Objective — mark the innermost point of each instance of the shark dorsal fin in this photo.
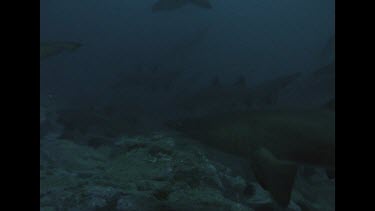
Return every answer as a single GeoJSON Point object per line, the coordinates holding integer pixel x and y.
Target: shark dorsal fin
{"type": "Point", "coordinates": [274, 175]}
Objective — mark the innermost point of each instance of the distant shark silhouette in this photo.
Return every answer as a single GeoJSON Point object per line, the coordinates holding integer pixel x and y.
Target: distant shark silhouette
{"type": "Point", "coordinates": [165, 5]}
{"type": "Point", "coordinates": [49, 49]}
{"type": "Point", "coordinates": [274, 142]}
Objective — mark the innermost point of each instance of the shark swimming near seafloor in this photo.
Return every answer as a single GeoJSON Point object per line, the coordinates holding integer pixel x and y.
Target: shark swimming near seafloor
{"type": "Point", "coordinates": [274, 142]}
{"type": "Point", "coordinates": [216, 97]}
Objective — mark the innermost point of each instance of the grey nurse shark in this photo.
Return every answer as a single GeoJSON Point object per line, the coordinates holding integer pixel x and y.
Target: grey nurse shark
{"type": "Point", "coordinates": [49, 49]}
{"type": "Point", "coordinates": [274, 142]}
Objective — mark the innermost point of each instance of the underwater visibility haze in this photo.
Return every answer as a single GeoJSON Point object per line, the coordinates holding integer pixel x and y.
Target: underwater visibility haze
{"type": "Point", "coordinates": [187, 105]}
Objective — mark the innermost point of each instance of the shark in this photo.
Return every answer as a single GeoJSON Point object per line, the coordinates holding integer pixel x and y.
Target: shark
{"type": "Point", "coordinates": [296, 90]}
{"type": "Point", "coordinates": [275, 142]}
{"type": "Point", "coordinates": [49, 49]}
{"type": "Point", "coordinates": [168, 5]}
{"type": "Point", "coordinates": [216, 97]}
{"type": "Point", "coordinates": [266, 94]}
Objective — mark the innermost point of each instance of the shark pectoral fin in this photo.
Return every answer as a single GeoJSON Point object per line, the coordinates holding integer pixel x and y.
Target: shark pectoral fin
{"type": "Point", "coordinates": [274, 175]}
{"type": "Point", "coordinates": [202, 3]}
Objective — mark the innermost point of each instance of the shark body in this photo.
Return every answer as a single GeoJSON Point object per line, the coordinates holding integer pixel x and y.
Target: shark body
{"type": "Point", "coordinates": [48, 49]}
{"type": "Point", "coordinates": [274, 142]}
{"type": "Point", "coordinates": [209, 99]}
{"type": "Point", "coordinates": [167, 5]}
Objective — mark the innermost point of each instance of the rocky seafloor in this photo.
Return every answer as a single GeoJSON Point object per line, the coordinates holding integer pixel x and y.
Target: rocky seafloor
{"type": "Point", "coordinates": [160, 171]}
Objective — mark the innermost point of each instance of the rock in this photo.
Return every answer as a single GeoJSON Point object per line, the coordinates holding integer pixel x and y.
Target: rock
{"type": "Point", "coordinates": [90, 198]}
{"type": "Point", "coordinates": [198, 199]}
{"type": "Point", "coordinates": [152, 173]}
{"type": "Point", "coordinates": [47, 209]}
{"type": "Point", "coordinates": [314, 190]}
{"type": "Point", "coordinates": [240, 207]}
{"type": "Point", "coordinates": [49, 128]}
{"type": "Point", "coordinates": [234, 184]}
{"type": "Point", "coordinates": [136, 202]}
{"type": "Point", "coordinates": [68, 155]}
{"type": "Point", "coordinates": [261, 199]}
{"type": "Point", "coordinates": [146, 185]}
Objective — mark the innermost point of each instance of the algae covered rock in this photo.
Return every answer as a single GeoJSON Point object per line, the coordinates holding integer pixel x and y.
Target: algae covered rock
{"type": "Point", "coordinates": [153, 172]}
{"type": "Point", "coordinates": [200, 199]}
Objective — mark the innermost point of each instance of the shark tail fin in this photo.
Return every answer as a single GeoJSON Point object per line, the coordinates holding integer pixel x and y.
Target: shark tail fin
{"type": "Point", "coordinates": [274, 175]}
{"type": "Point", "coordinates": [201, 3]}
